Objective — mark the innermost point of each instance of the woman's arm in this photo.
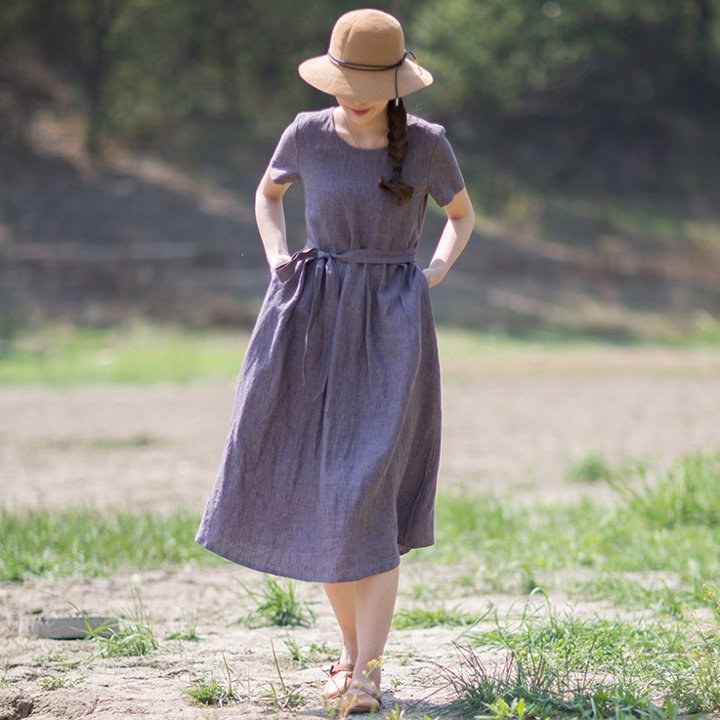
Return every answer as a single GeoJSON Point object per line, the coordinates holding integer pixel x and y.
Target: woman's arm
{"type": "Point", "coordinates": [270, 218]}
{"type": "Point", "coordinates": [454, 238]}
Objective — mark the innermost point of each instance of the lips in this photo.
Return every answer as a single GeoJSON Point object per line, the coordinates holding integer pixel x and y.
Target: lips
{"type": "Point", "coordinates": [360, 113]}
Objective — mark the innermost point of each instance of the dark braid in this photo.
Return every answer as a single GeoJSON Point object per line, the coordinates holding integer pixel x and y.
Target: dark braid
{"type": "Point", "coordinates": [397, 149]}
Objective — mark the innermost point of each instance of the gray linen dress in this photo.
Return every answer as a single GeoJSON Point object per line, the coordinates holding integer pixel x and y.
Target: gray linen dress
{"type": "Point", "coordinates": [330, 466]}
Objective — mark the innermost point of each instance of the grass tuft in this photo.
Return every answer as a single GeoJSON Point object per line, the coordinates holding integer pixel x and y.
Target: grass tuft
{"type": "Point", "coordinates": [592, 467]}
{"type": "Point", "coordinates": [418, 618]}
{"type": "Point", "coordinates": [688, 494]}
{"type": "Point", "coordinates": [278, 604]}
{"type": "Point", "coordinates": [134, 637]}
{"type": "Point", "coordinates": [209, 691]}
{"type": "Point", "coordinates": [187, 631]}
{"type": "Point", "coordinates": [282, 697]}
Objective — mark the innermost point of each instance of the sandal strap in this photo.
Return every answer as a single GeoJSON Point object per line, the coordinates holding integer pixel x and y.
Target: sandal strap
{"type": "Point", "coordinates": [375, 693]}
{"type": "Point", "coordinates": [341, 667]}
{"type": "Point", "coordinates": [352, 701]}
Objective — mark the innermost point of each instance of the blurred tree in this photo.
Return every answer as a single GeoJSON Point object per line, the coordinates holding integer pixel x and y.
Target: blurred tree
{"type": "Point", "coordinates": [145, 64]}
{"type": "Point", "coordinates": [571, 57]}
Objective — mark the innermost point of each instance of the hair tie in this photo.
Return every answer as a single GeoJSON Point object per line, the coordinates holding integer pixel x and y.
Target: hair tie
{"type": "Point", "coordinates": [365, 66]}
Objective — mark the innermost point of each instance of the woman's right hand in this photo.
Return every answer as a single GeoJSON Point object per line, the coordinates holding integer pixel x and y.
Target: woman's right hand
{"type": "Point", "coordinates": [271, 220]}
{"type": "Point", "coordinates": [278, 259]}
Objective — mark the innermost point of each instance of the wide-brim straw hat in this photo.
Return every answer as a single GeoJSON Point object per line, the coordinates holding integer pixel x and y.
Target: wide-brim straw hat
{"type": "Point", "coordinates": [367, 60]}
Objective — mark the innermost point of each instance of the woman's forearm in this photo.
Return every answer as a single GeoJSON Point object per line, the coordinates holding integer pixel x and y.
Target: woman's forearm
{"type": "Point", "coordinates": [270, 218]}
{"type": "Point", "coordinates": [454, 238]}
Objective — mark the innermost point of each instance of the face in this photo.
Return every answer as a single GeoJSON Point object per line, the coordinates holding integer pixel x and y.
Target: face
{"type": "Point", "coordinates": [362, 112]}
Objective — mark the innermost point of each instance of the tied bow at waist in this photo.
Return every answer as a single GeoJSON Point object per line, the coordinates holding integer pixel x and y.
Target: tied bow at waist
{"type": "Point", "coordinates": [384, 257]}
{"type": "Point", "coordinates": [325, 287]}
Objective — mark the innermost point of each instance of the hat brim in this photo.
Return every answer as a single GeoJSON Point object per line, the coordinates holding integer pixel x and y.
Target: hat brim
{"type": "Point", "coordinates": [365, 85]}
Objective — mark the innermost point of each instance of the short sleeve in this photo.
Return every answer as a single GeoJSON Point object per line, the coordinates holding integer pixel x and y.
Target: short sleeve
{"type": "Point", "coordinates": [284, 166]}
{"type": "Point", "coordinates": [445, 179]}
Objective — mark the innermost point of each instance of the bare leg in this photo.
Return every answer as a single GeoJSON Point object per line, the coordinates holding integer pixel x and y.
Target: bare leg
{"type": "Point", "coordinates": [374, 606]}
{"type": "Point", "coordinates": [364, 611]}
{"type": "Point", "coordinates": [342, 601]}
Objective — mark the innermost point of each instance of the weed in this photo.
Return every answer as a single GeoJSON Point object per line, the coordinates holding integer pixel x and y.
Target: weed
{"type": "Point", "coordinates": [282, 697]}
{"type": "Point", "coordinates": [397, 713]}
{"type": "Point", "coordinates": [278, 605]}
{"type": "Point", "coordinates": [320, 651]}
{"type": "Point", "coordinates": [53, 682]}
{"type": "Point", "coordinates": [423, 592]}
{"type": "Point", "coordinates": [208, 691]}
{"type": "Point", "coordinates": [515, 710]}
{"type": "Point", "coordinates": [662, 595]}
{"type": "Point", "coordinates": [592, 467]}
{"type": "Point", "coordinates": [589, 668]}
{"type": "Point", "coordinates": [135, 636]}
{"type": "Point", "coordinates": [694, 678]}
{"type": "Point", "coordinates": [50, 657]}
{"type": "Point", "coordinates": [187, 631]}
{"type": "Point", "coordinates": [296, 655]}
{"type": "Point", "coordinates": [421, 618]}
{"type": "Point", "coordinates": [686, 495]}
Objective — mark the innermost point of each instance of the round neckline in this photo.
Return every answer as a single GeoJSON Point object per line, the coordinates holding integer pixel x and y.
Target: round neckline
{"type": "Point", "coordinates": [334, 131]}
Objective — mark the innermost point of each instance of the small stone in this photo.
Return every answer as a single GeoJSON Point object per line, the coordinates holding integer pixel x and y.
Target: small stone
{"type": "Point", "coordinates": [66, 628]}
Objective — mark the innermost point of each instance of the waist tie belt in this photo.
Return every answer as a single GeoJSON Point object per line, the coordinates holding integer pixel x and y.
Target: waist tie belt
{"type": "Point", "coordinates": [322, 294]}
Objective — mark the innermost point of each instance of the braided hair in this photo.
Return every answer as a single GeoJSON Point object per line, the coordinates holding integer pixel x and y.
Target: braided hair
{"type": "Point", "coordinates": [397, 149]}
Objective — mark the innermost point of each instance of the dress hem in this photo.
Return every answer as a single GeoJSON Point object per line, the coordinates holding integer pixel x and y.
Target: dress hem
{"type": "Point", "coordinates": [275, 570]}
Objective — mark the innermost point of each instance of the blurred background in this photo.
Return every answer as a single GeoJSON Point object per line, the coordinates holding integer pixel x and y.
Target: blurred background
{"type": "Point", "coordinates": [133, 134]}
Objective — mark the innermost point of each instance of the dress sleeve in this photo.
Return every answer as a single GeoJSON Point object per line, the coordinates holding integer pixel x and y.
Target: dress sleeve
{"type": "Point", "coordinates": [446, 179]}
{"type": "Point", "coordinates": [284, 166]}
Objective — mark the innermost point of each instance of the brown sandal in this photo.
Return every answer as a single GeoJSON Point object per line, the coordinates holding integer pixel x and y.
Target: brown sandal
{"type": "Point", "coordinates": [341, 684]}
{"type": "Point", "coordinates": [353, 701]}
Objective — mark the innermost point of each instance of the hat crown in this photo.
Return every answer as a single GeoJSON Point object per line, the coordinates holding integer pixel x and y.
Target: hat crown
{"type": "Point", "coordinates": [368, 37]}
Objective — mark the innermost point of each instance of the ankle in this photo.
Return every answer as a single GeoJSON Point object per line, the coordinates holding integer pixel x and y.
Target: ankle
{"type": "Point", "coordinates": [367, 678]}
{"type": "Point", "coordinates": [348, 654]}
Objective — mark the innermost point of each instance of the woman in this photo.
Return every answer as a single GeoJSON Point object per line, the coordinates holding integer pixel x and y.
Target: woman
{"type": "Point", "coordinates": [330, 466]}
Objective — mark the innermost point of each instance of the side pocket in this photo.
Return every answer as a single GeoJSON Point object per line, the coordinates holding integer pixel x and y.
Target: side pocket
{"type": "Point", "coordinates": [286, 270]}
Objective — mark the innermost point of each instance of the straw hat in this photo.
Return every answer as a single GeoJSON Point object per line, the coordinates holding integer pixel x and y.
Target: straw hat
{"type": "Point", "coordinates": [367, 60]}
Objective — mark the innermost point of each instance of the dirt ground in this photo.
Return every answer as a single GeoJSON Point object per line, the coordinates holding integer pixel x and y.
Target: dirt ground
{"type": "Point", "coordinates": [513, 423]}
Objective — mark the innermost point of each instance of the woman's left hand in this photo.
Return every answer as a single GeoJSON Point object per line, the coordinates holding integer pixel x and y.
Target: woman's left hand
{"type": "Point", "coordinates": [434, 275]}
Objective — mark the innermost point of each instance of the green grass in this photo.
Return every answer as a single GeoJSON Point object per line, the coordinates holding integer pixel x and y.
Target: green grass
{"type": "Point", "coordinates": [277, 603]}
{"type": "Point", "coordinates": [138, 354]}
{"type": "Point", "coordinates": [316, 653]}
{"type": "Point", "coordinates": [667, 526]}
{"type": "Point", "coordinates": [562, 665]}
{"type": "Point", "coordinates": [187, 631]}
{"type": "Point", "coordinates": [142, 353]}
{"type": "Point", "coordinates": [208, 690]}
{"type": "Point", "coordinates": [593, 467]}
{"type": "Point", "coordinates": [656, 546]}
{"type": "Point", "coordinates": [94, 542]}
{"type": "Point", "coordinates": [135, 635]}
{"type": "Point", "coordinates": [659, 543]}
{"type": "Point", "coordinates": [418, 618]}
{"type": "Point", "coordinates": [282, 696]}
